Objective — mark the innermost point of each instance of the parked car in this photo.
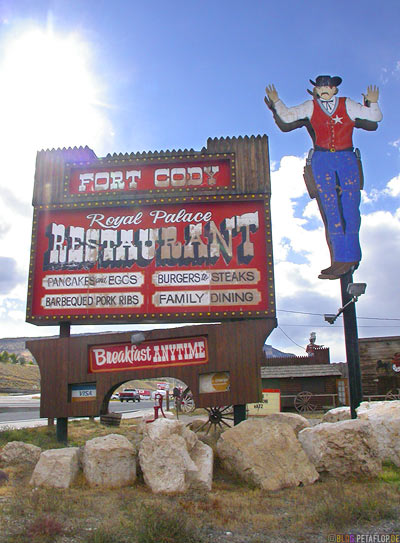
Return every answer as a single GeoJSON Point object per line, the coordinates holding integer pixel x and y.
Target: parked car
{"type": "Point", "coordinates": [129, 395]}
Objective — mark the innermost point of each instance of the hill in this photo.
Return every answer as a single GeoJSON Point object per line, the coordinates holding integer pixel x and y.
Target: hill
{"type": "Point", "coordinates": [19, 378]}
{"type": "Point", "coordinates": [17, 346]}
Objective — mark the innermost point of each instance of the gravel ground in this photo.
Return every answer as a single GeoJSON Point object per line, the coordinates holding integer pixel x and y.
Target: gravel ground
{"type": "Point", "coordinates": [384, 528]}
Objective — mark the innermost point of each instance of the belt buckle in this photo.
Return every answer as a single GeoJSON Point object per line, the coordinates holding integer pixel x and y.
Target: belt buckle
{"type": "Point", "coordinates": [332, 150]}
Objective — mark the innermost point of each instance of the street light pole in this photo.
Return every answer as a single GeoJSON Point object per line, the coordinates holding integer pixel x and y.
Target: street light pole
{"type": "Point", "coordinates": [351, 340]}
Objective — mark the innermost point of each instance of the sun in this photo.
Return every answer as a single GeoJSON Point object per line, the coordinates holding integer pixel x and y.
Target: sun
{"type": "Point", "coordinates": [50, 95]}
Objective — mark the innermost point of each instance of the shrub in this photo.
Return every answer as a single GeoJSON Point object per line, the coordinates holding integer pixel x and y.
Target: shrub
{"type": "Point", "coordinates": [104, 535]}
{"type": "Point", "coordinates": [44, 529]}
{"type": "Point", "coordinates": [157, 526]}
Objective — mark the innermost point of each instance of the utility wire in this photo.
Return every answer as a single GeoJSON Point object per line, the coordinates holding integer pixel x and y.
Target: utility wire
{"type": "Point", "coordinates": [302, 348]}
{"type": "Point", "coordinates": [321, 315]}
{"type": "Point", "coordinates": [337, 326]}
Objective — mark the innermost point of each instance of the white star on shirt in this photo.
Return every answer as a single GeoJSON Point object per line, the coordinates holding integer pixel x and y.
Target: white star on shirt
{"type": "Point", "coordinates": [337, 119]}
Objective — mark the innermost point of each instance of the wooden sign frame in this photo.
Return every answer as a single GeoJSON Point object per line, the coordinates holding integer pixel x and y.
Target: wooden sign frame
{"type": "Point", "coordinates": [72, 182]}
{"type": "Point", "coordinates": [94, 236]}
{"type": "Point", "coordinates": [234, 347]}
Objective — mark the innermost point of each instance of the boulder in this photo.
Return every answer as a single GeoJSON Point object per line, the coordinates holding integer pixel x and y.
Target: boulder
{"type": "Point", "coordinates": [172, 458]}
{"type": "Point", "coordinates": [385, 420]}
{"type": "Point", "coordinates": [265, 453]}
{"type": "Point", "coordinates": [56, 468]}
{"type": "Point", "coordinates": [344, 448]}
{"type": "Point", "coordinates": [18, 452]}
{"type": "Point", "coordinates": [109, 461]}
{"type": "Point", "coordinates": [203, 458]}
{"type": "Point", "coordinates": [337, 414]}
{"type": "Point", "coordinates": [297, 422]}
{"type": "Point", "coordinates": [3, 478]}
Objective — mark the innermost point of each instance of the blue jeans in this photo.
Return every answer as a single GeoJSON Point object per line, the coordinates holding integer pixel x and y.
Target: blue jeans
{"type": "Point", "coordinates": [338, 184]}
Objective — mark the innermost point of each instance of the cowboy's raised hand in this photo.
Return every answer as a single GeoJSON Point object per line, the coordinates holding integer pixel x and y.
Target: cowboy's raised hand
{"type": "Point", "coordinates": [372, 94]}
{"type": "Point", "coordinates": [272, 93]}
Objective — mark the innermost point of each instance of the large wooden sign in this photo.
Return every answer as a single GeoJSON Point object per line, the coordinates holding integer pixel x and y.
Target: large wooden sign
{"type": "Point", "coordinates": [166, 237]}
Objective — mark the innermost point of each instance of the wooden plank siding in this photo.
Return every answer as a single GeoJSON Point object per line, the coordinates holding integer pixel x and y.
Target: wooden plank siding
{"type": "Point", "coordinates": [250, 156]}
{"type": "Point", "coordinates": [378, 378]}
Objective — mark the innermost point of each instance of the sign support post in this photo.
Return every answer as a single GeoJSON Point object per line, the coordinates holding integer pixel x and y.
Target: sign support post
{"type": "Point", "coordinates": [62, 422]}
{"type": "Point", "coordinates": [351, 340]}
{"type": "Point", "coordinates": [239, 414]}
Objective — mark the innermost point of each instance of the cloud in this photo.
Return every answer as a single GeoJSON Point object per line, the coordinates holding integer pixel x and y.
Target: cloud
{"type": "Point", "coordinates": [393, 187]}
{"type": "Point", "coordinates": [395, 143]}
{"type": "Point", "coordinates": [297, 229]}
{"type": "Point", "coordinates": [10, 276]}
{"type": "Point", "coordinates": [40, 107]}
{"type": "Point", "coordinates": [15, 203]}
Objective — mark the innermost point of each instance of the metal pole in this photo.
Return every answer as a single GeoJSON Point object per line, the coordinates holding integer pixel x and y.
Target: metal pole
{"type": "Point", "coordinates": [239, 414]}
{"type": "Point", "coordinates": [351, 339]}
{"type": "Point", "coordinates": [62, 430]}
{"type": "Point", "coordinates": [62, 422]}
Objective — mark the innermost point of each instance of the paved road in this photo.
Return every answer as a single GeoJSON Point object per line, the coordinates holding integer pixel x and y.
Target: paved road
{"type": "Point", "coordinates": [25, 409]}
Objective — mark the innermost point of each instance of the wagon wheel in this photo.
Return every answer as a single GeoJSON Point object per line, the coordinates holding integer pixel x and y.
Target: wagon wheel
{"type": "Point", "coordinates": [303, 402]}
{"type": "Point", "coordinates": [217, 416]}
{"type": "Point", "coordinates": [393, 394]}
{"type": "Point", "coordinates": [186, 402]}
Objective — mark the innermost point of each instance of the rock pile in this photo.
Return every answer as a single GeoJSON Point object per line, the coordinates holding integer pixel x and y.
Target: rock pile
{"type": "Point", "coordinates": [272, 452]}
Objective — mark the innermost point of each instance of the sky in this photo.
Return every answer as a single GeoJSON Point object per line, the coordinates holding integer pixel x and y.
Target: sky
{"type": "Point", "coordinates": [127, 76]}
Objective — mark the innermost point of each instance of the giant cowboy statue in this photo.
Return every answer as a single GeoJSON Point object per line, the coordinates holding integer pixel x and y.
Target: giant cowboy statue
{"type": "Point", "coordinates": [333, 172]}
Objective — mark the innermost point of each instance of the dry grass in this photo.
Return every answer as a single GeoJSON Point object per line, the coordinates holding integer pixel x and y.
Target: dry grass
{"type": "Point", "coordinates": [79, 431]}
{"type": "Point", "coordinates": [16, 376]}
{"type": "Point", "coordinates": [134, 515]}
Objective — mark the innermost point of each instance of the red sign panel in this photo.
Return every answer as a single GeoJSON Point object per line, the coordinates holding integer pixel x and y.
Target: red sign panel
{"type": "Point", "coordinates": [149, 354]}
{"type": "Point", "coordinates": [210, 173]}
{"type": "Point", "coordinates": [193, 261]}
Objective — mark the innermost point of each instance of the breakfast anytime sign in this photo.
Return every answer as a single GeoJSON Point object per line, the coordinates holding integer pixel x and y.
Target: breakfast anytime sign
{"type": "Point", "coordinates": [153, 260]}
{"type": "Point", "coordinates": [149, 354]}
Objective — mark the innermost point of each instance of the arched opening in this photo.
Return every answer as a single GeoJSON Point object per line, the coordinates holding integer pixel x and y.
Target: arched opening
{"type": "Point", "coordinates": [139, 394]}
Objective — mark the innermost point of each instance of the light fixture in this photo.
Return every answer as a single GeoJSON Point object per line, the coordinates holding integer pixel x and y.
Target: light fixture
{"type": "Point", "coordinates": [330, 318]}
{"type": "Point", "coordinates": [355, 290]}
{"type": "Point", "coordinates": [137, 338]}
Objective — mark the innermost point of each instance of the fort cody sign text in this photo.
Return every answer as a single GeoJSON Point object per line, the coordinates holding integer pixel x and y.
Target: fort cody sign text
{"type": "Point", "coordinates": [150, 261]}
{"type": "Point", "coordinates": [131, 178]}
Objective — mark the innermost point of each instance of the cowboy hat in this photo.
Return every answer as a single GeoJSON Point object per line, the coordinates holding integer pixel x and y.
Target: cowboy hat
{"type": "Point", "coordinates": [326, 81]}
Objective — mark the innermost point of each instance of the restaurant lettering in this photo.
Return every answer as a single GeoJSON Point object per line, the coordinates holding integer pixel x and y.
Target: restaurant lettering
{"type": "Point", "coordinates": [201, 242]}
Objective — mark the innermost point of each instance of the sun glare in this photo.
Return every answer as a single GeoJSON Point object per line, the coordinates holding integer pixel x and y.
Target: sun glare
{"type": "Point", "coordinates": [49, 95]}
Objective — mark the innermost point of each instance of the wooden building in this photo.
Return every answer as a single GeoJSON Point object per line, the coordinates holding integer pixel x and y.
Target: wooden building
{"type": "Point", "coordinates": [293, 375]}
{"type": "Point", "coordinates": [380, 367]}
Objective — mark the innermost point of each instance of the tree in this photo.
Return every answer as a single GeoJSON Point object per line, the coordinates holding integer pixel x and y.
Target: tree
{"type": "Point", "coordinates": [5, 357]}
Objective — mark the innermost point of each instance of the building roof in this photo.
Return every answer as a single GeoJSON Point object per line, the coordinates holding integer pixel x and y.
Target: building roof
{"type": "Point", "coordinates": [316, 370]}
